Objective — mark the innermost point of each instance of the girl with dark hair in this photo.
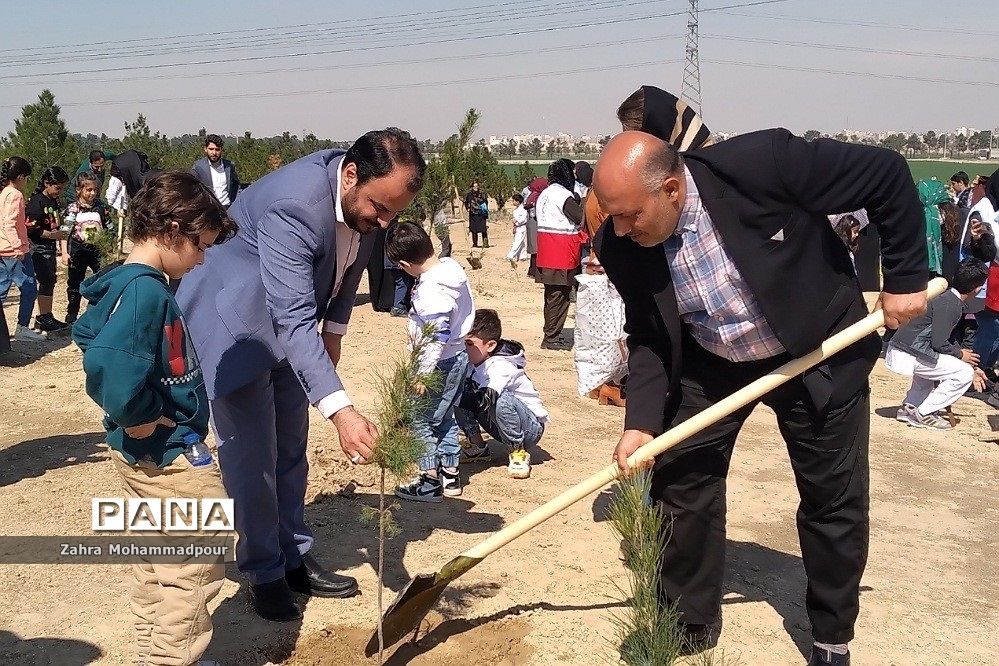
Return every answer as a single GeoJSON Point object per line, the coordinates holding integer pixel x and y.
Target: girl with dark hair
{"type": "Point", "coordinates": [44, 221]}
{"type": "Point", "coordinates": [85, 219]}
{"type": "Point", "coordinates": [560, 237]}
{"type": "Point", "coordinates": [15, 264]}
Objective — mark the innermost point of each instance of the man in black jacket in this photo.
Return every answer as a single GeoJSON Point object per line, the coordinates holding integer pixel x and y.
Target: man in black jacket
{"type": "Point", "coordinates": [728, 268]}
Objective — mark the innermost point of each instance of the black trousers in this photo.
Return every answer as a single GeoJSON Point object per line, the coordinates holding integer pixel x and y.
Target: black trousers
{"type": "Point", "coordinates": [556, 310]}
{"type": "Point", "coordinates": [80, 259]}
{"type": "Point", "coordinates": [485, 238]}
{"type": "Point", "coordinates": [45, 272]}
{"type": "Point", "coordinates": [828, 454]}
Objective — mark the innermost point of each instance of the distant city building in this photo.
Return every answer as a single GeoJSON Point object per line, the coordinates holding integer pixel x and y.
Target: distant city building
{"type": "Point", "coordinates": [524, 142]}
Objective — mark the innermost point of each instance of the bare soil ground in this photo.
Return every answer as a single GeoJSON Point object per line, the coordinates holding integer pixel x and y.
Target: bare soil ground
{"type": "Point", "coordinates": [929, 593]}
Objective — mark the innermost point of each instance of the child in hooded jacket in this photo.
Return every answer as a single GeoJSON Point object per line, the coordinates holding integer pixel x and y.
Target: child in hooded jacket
{"type": "Point", "coordinates": [499, 397]}
{"type": "Point", "coordinates": [143, 372]}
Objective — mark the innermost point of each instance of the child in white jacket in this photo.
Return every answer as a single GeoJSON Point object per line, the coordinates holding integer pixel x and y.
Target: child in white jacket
{"type": "Point", "coordinates": [499, 397]}
{"type": "Point", "coordinates": [442, 302]}
{"type": "Point", "coordinates": [518, 250]}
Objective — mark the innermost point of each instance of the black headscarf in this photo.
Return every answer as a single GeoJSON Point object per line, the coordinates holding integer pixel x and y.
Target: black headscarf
{"type": "Point", "coordinates": [584, 173]}
{"type": "Point", "coordinates": [132, 167]}
{"type": "Point", "coordinates": [672, 120]}
{"type": "Point", "coordinates": [562, 172]}
{"type": "Point", "coordinates": [992, 189]}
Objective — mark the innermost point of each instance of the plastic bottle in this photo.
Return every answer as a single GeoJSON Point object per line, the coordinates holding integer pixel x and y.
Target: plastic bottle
{"type": "Point", "coordinates": [196, 451]}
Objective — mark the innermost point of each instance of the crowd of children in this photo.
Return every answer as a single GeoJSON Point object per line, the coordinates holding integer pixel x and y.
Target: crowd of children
{"type": "Point", "coordinates": [40, 233]}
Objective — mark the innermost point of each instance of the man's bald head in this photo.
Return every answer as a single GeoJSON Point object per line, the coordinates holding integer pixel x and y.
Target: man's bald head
{"type": "Point", "coordinates": [632, 152]}
{"type": "Point", "coordinates": [639, 182]}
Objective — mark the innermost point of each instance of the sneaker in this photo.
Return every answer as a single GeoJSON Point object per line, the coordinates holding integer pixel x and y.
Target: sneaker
{"type": "Point", "coordinates": [451, 482]}
{"type": "Point", "coordinates": [398, 312]}
{"type": "Point", "coordinates": [902, 414]}
{"type": "Point", "coordinates": [423, 488]}
{"type": "Point", "coordinates": [25, 334]}
{"type": "Point", "coordinates": [473, 453]}
{"type": "Point", "coordinates": [520, 464]}
{"type": "Point", "coordinates": [559, 345]}
{"type": "Point", "coordinates": [49, 324]}
{"type": "Point", "coordinates": [930, 421]}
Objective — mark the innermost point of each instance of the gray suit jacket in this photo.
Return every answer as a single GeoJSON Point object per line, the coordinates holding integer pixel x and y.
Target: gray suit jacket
{"type": "Point", "coordinates": [257, 300]}
{"type": "Point", "coordinates": [202, 169]}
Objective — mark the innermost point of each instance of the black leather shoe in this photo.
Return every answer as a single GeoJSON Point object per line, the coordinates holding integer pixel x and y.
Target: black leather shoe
{"type": "Point", "coordinates": [313, 580]}
{"type": "Point", "coordinates": [274, 601]}
{"type": "Point", "coordinates": [822, 657]}
{"type": "Point", "coordinates": [699, 637]}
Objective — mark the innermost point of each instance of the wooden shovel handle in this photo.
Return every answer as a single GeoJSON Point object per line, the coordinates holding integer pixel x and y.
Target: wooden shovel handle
{"type": "Point", "coordinates": [692, 426]}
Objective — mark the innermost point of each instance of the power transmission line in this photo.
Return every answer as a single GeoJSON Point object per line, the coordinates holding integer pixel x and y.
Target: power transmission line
{"type": "Point", "coordinates": [511, 77]}
{"type": "Point", "coordinates": [361, 65]}
{"type": "Point", "coordinates": [873, 75]}
{"type": "Point", "coordinates": [449, 40]}
{"type": "Point", "coordinates": [333, 34]}
{"type": "Point", "coordinates": [215, 34]}
{"type": "Point", "coordinates": [353, 89]}
{"type": "Point", "coordinates": [866, 24]}
{"type": "Point", "coordinates": [850, 47]}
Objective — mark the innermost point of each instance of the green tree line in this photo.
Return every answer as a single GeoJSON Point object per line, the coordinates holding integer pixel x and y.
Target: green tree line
{"type": "Point", "coordinates": [41, 136]}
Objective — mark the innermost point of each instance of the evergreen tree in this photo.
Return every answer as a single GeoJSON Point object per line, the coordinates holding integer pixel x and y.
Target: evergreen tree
{"type": "Point", "coordinates": [139, 137]}
{"type": "Point", "coordinates": [40, 136]}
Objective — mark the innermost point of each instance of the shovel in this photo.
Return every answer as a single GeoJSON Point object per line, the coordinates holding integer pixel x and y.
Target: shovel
{"type": "Point", "coordinates": [420, 594]}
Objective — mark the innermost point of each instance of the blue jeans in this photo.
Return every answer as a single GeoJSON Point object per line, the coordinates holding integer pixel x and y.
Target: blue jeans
{"type": "Point", "coordinates": [435, 424]}
{"type": "Point", "coordinates": [987, 337]}
{"type": "Point", "coordinates": [21, 273]}
{"type": "Point", "coordinates": [514, 423]}
{"type": "Point", "coordinates": [403, 283]}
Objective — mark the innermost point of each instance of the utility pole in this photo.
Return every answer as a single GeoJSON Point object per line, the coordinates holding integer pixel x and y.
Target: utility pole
{"type": "Point", "coordinates": [691, 89]}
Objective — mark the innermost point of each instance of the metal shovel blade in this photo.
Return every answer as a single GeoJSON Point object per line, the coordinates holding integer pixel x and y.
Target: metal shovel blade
{"type": "Point", "coordinates": [414, 602]}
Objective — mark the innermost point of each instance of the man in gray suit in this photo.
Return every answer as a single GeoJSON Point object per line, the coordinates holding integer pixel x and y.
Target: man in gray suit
{"type": "Point", "coordinates": [217, 174]}
{"type": "Point", "coordinates": [266, 313]}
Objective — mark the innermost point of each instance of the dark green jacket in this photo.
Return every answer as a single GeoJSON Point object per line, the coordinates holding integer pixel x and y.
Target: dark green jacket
{"type": "Point", "coordinates": [140, 363]}
{"type": "Point", "coordinates": [70, 193]}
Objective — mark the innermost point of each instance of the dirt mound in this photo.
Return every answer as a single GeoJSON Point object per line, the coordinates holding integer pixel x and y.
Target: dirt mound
{"type": "Point", "coordinates": [454, 642]}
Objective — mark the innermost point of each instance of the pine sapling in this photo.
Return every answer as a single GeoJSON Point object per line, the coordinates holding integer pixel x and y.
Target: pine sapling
{"type": "Point", "coordinates": [398, 447]}
{"type": "Point", "coordinates": [648, 631]}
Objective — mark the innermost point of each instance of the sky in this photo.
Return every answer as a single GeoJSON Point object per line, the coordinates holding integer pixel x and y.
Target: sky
{"type": "Point", "coordinates": [338, 69]}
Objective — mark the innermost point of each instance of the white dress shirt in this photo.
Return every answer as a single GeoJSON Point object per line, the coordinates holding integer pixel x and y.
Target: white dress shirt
{"type": "Point", "coordinates": [348, 242]}
{"type": "Point", "coordinates": [220, 182]}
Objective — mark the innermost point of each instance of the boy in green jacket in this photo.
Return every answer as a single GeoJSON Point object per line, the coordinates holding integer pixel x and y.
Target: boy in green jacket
{"type": "Point", "coordinates": [143, 372]}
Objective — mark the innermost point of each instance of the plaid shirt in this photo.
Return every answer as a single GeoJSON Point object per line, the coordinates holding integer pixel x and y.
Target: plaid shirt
{"type": "Point", "coordinates": [713, 298]}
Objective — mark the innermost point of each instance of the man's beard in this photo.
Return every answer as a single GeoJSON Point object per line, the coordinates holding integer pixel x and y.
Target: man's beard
{"type": "Point", "coordinates": [352, 218]}
{"type": "Point", "coordinates": [215, 161]}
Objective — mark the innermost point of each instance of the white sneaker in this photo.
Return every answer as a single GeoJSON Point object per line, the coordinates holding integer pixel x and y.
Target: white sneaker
{"type": "Point", "coordinates": [930, 421]}
{"type": "Point", "coordinates": [520, 464]}
{"type": "Point", "coordinates": [902, 413]}
{"type": "Point", "coordinates": [25, 334]}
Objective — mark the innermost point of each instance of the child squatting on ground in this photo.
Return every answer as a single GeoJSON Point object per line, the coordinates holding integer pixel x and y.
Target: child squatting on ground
{"type": "Point", "coordinates": [499, 396]}
{"type": "Point", "coordinates": [923, 349]}
{"type": "Point", "coordinates": [442, 302]}
{"type": "Point", "coordinates": [143, 372]}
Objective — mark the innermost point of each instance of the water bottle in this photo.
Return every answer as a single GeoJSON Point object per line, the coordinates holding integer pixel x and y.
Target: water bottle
{"type": "Point", "coordinates": [196, 451]}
